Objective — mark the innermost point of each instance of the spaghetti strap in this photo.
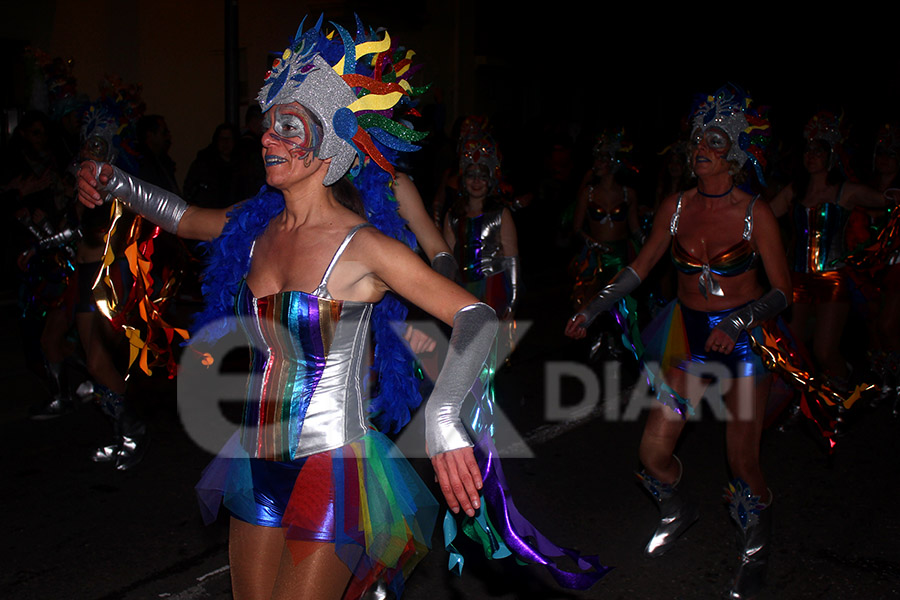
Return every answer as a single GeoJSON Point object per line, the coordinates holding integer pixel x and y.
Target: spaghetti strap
{"type": "Point", "coordinates": [673, 224]}
{"type": "Point", "coordinates": [322, 290]}
{"type": "Point", "coordinates": [748, 219]}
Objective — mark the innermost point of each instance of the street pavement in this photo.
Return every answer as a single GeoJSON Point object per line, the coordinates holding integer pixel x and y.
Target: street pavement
{"type": "Point", "coordinates": [77, 530]}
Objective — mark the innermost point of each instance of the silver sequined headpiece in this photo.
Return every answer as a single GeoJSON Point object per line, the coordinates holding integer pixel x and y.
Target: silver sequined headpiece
{"type": "Point", "coordinates": [730, 110]}
{"type": "Point", "coordinates": [352, 86]}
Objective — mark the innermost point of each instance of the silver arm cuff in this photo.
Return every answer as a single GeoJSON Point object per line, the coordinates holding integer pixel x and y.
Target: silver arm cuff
{"type": "Point", "coordinates": [474, 330]}
{"type": "Point", "coordinates": [445, 264]}
{"type": "Point", "coordinates": [513, 269]}
{"type": "Point", "coordinates": [747, 317]}
{"type": "Point", "coordinates": [160, 206]}
{"type": "Point", "coordinates": [625, 282]}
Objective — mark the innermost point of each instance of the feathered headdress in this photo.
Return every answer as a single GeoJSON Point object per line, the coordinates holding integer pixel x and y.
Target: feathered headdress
{"type": "Point", "coordinates": [615, 145]}
{"type": "Point", "coordinates": [352, 85]}
{"type": "Point", "coordinates": [731, 110]}
{"type": "Point", "coordinates": [887, 138]}
{"type": "Point", "coordinates": [826, 126]}
{"type": "Point", "coordinates": [108, 125]}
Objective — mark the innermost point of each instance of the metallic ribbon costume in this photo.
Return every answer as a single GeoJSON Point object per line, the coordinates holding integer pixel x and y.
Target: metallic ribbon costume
{"type": "Point", "coordinates": [304, 391]}
{"type": "Point", "coordinates": [307, 460]}
{"type": "Point", "coordinates": [597, 262]}
{"type": "Point", "coordinates": [479, 254]}
{"type": "Point", "coordinates": [818, 252]}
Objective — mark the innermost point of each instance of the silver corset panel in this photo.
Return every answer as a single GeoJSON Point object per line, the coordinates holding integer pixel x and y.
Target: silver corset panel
{"type": "Point", "coordinates": [308, 357]}
{"type": "Point", "coordinates": [479, 250]}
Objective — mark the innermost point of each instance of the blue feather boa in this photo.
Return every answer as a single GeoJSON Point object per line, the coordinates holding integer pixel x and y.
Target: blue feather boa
{"type": "Point", "coordinates": [397, 390]}
{"type": "Point", "coordinates": [228, 262]}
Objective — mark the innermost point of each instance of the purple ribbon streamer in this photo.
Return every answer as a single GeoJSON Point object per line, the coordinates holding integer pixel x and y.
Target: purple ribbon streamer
{"type": "Point", "coordinates": [514, 528]}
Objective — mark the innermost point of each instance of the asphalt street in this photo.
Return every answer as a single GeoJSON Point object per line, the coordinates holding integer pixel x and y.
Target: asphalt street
{"type": "Point", "coordinates": [77, 530]}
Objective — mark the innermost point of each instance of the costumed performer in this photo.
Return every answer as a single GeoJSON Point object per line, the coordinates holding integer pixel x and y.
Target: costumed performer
{"type": "Point", "coordinates": [322, 505]}
{"type": "Point", "coordinates": [717, 236]}
{"type": "Point", "coordinates": [481, 231]}
{"type": "Point", "coordinates": [606, 220]}
{"type": "Point", "coordinates": [879, 264]}
{"type": "Point", "coordinates": [820, 201]}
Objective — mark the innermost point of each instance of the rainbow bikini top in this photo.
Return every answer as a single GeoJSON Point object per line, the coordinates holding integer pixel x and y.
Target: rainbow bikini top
{"type": "Point", "coordinates": [597, 213]}
{"type": "Point", "coordinates": [737, 259]}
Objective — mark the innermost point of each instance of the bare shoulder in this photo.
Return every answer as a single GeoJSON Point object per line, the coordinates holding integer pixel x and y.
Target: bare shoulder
{"type": "Point", "coordinates": [668, 204]}
{"type": "Point", "coordinates": [371, 245]}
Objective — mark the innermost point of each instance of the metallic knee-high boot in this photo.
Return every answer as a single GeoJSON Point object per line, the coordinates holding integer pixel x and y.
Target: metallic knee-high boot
{"type": "Point", "coordinates": [754, 521]}
{"type": "Point", "coordinates": [61, 401]}
{"type": "Point", "coordinates": [129, 432]}
{"type": "Point", "coordinates": [675, 511]}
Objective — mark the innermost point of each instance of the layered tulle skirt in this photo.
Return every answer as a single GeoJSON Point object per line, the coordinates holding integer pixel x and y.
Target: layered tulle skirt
{"type": "Point", "coordinates": [364, 498]}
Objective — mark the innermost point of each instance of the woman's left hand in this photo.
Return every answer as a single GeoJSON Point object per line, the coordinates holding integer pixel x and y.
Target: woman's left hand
{"type": "Point", "coordinates": [460, 479]}
{"type": "Point", "coordinates": [719, 341]}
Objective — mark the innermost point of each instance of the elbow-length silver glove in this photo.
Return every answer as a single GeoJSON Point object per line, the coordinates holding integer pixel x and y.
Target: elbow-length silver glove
{"type": "Point", "coordinates": [625, 282]}
{"type": "Point", "coordinates": [513, 269]}
{"type": "Point", "coordinates": [160, 206]}
{"type": "Point", "coordinates": [474, 330]}
{"type": "Point", "coordinates": [751, 315]}
{"type": "Point", "coordinates": [445, 264]}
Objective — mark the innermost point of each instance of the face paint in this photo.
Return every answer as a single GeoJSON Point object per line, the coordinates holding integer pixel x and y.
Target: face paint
{"type": "Point", "coordinates": [293, 126]}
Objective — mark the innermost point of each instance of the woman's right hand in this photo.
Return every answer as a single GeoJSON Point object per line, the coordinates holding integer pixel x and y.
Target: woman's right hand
{"type": "Point", "coordinates": [575, 328]}
{"type": "Point", "coordinates": [90, 179]}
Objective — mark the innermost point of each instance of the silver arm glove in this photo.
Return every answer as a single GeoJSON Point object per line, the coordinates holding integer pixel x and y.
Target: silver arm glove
{"type": "Point", "coordinates": [625, 282]}
{"type": "Point", "coordinates": [445, 264]}
{"type": "Point", "coordinates": [60, 239]}
{"type": "Point", "coordinates": [474, 329]}
{"type": "Point", "coordinates": [747, 317]}
{"type": "Point", "coordinates": [513, 268]}
{"type": "Point", "coordinates": [160, 206]}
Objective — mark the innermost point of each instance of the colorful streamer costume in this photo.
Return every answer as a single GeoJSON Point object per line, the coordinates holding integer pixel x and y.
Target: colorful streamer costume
{"type": "Point", "coordinates": [675, 339]}
{"type": "Point", "coordinates": [310, 456]}
{"type": "Point", "coordinates": [308, 460]}
{"type": "Point", "coordinates": [479, 253]}
{"type": "Point", "coordinates": [818, 271]}
{"type": "Point", "coordinates": [597, 262]}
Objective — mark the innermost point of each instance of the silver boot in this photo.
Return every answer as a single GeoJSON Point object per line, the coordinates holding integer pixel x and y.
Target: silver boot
{"type": "Point", "coordinates": [675, 512]}
{"type": "Point", "coordinates": [754, 521]}
{"type": "Point", "coordinates": [129, 432]}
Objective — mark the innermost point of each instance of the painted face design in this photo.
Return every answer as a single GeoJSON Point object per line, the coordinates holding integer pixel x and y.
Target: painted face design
{"type": "Point", "coordinates": [296, 128]}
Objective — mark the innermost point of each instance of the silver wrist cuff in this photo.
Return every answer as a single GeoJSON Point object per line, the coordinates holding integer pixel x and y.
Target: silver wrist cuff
{"type": "Point", "coordinates": [445, 264]}
{"type": "Point", "coordinates": [158, 205]}
{"type": "Point", "coordinates": [474, 330]}
{"type": "Point", "coordinates": [625, 282]}
{"type": "Point", "coordinates": [747, 317]}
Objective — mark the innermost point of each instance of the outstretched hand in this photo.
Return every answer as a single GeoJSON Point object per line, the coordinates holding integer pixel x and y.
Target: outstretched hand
{"type": "Point", "coordinates": [459, 478]}
{"type": "Point", "coordinates": [91, 176]}
{"type": "Point", "coordinates": [575, 328]}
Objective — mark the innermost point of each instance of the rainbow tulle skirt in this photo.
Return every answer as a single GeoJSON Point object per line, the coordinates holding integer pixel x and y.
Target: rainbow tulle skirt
{"type": "Point", "coordinates": [364, 498]}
